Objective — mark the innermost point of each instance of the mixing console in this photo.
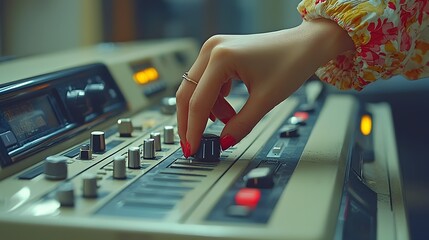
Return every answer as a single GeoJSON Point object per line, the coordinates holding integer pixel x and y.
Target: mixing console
{"type": "Point", "coordinates": [89, 149]}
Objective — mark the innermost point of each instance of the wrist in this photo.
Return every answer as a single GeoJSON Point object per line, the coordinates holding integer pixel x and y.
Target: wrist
{"type": "Point", "coordinates": [324, 39]}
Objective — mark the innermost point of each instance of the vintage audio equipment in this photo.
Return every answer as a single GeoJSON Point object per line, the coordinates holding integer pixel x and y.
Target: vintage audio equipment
{"type": "Point", "coordinates": [89, 150]}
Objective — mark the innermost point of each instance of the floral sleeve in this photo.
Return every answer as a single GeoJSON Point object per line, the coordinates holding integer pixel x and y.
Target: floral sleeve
{"type": "Point", "coordinates": [391, 37]}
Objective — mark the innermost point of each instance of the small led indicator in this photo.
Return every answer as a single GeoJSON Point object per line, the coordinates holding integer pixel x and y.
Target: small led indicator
{"type": "Point", "coordinates": [366, 125]}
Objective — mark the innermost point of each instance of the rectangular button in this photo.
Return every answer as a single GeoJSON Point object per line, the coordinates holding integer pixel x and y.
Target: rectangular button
{"type": "Point", "coordinates": [248, 197]}
{"type": "Point", "coordinates": [8, 138]}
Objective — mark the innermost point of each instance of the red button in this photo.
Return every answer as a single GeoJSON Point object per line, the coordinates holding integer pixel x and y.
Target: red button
{"type": "Point", "coordinates": [248, 197]}
{"type": "Point", "coordinates": [302, 115]}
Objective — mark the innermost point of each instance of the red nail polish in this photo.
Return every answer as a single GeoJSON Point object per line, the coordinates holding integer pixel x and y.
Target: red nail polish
{"type": "Point", "coordinates": [225, 120]}
{"type": "Point", "coordinates": [183, 147]}
{"type": "Point", "coordinates": [187, 150]}
{"type": "Point", "coordinates": [227, 141]}
{"type": "Point", "coordinates": [212, 117]}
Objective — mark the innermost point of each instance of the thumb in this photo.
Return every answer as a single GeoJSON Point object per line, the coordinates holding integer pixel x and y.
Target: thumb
{"type": "Point", "coordinates": [241, 124]}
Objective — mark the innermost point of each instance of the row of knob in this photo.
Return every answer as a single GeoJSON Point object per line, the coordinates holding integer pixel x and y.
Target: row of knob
{"type": "Point", "coordinates": [98, 144]}
{"type": "Point", "coordinates": [56, 166]}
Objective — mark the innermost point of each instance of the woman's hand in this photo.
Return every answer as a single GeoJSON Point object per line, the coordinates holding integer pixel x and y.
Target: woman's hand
{"type": "Point", "coordinates": [271, 65]}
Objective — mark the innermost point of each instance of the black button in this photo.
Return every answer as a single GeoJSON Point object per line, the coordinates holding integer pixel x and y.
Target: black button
{"type": "Point", "coordinates": [261, 177]}
{"type": "Point", "coordinates": [289, 130]}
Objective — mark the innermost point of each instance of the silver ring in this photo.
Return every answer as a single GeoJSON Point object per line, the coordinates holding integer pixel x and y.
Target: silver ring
{"type": "Point", "coordinates": [186, 77]}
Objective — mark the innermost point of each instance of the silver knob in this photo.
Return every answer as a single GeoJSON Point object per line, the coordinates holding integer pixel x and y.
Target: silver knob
{"type": "Point", "coordinates": [65, 194]}
{"type": "Point", "coordinates": [156, 136]}
{"type": "Point", "coordinates": [125, 127]}
{"type": "Point", "coordinates": [119, 168]}
{"type": "Point", "coordinates": [148, 148]}
{"type": "Point", "coordinates": [169, 135]}
{"type": "Point", "coordinates": [85, 152]}
{"type": "Point", "coordinates": [168, 105]}
{"type": "Point", "coordinates": [98, 142]}
{"type": "Point", "coordinates": [89, 185]}
{"type": "Point", "coordinates": [56, 167]}
{"type": "Point", "coordinates": [134, 158]}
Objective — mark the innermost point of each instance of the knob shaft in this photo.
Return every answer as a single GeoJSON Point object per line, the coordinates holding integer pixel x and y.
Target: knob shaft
{"type": "Point", "coordinates": [209, 150]}
{"type": "Point", "coordinates": [65, 194]}
{"type": "Point", "coordinates": [56, 167]}
{"type": "Point", "coordinates": [134, 160]}
{"type": "Point", "coordinates": [125, 127]}
{"type": "Point", "coordinates": [169, 135]}
{"type": "Point", "coordinates": [157, 140]}
{"type": "Point", "coordinates": [85, 152]}
{"type": "Point", "coordinates": [89, 185]}
{"type": "Point", "coordinates": [149, 148]}
{"type": "Point", "coordinates": [98, 142]}
{"type": "Point", "coordinates": [119, 167]}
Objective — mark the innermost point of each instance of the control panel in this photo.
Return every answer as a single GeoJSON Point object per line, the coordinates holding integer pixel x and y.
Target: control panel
{"type": "Point", "coordinates": [89, 149]}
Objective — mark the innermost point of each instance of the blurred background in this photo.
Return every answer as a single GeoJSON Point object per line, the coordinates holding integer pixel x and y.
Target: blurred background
{"type": "Point", "coordinates": [35, 27]}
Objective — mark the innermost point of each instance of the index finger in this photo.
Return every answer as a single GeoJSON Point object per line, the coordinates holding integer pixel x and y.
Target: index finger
{"type": "Point", "coordinates": [201, 103]}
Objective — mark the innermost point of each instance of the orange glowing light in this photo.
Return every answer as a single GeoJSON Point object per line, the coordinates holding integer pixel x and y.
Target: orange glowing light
{"type": "Point", "coordinates": [146, 76]}
{"type": "Point", "coordinates": [366, 125]}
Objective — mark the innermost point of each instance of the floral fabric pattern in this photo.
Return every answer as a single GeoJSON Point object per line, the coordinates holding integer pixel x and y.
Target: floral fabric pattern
{"type": "Point", "coordinates": [391, 37]}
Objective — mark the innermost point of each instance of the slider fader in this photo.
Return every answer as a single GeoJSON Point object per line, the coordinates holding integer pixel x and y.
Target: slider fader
{"type": "Point", "coordinates": [89, 150]}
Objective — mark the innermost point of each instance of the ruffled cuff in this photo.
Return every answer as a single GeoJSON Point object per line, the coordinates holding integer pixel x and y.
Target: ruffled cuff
{"type": "Point", "coordinates": [384, 33]}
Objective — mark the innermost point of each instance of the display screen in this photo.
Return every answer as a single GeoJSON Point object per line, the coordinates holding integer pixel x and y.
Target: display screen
{"type": "Point", "coordinates": [31, 118]}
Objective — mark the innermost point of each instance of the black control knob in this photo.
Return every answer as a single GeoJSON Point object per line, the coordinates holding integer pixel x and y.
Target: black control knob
{"type": "Point", "coordinates": [78, 104]}
{"type": "Point", "coordinates": [97, 95]}
{"type": "Point", "coordinates": [209, 150]}
{"type": "Point", "coordinates": [98, 142]}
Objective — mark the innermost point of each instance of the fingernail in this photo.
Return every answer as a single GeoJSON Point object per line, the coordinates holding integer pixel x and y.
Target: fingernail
{"type": "Point", "coordinates": [227, 141]}
{"type": "Point", "coordinates": [212, 117]}
{"type": "Point", "coordinates": [187, 150]}
{"type": "Point", "coordinates": [225, 120]}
